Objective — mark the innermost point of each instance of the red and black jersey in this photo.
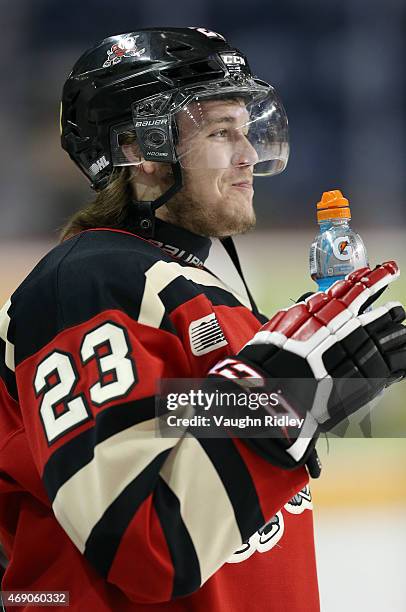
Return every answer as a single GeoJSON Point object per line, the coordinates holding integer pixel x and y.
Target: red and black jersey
{"type": "Point", "coordinates": [95, 503]}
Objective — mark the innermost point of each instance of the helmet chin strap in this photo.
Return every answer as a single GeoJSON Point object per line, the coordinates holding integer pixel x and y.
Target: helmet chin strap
{"type": "Point", "coordinates": [143, 220]}
{"type": "Point", "coordinates": [228, 244]}
{"type": "Point", "coordinates": [143, 213]}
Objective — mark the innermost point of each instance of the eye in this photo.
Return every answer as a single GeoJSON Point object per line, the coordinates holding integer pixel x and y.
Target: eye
{"type": "Point", "coordinates": [223, 133]}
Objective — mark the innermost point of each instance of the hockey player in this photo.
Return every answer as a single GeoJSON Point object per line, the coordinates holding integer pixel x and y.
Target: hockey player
{"type": "Point", "coordinates": [170, 127]}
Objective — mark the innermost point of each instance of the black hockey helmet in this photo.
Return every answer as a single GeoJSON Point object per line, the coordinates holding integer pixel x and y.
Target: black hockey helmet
{"type": "Point", "coordinates": [139, 82]}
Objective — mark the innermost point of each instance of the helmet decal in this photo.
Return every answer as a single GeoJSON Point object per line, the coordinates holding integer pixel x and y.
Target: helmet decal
{"type": "Point", "coordinates": [125, 47]}
{"type": "Point", "coordinates": [98, 165]}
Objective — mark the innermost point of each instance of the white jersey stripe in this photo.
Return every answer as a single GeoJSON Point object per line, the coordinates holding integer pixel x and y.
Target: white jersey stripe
{"type": "Point", "coordinates": [191, 475]}
{"type": "Point", "coordinates": [82, 500]}
{"type": "Point", "coordinates": [4, 325]}
{"type": "Point", "coordinates": [159, 276]}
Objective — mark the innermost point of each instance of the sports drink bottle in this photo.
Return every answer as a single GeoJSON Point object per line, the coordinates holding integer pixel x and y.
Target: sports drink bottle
{"type": "Point", "coordinates": [337, 250]}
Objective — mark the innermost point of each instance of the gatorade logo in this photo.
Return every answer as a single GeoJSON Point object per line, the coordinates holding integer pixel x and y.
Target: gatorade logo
{"type": "Point", "coordinates": [342, 249]}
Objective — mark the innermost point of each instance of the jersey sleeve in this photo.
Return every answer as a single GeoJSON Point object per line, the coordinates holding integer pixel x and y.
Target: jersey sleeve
{"type": "Point", "coordinates": [155, 516]}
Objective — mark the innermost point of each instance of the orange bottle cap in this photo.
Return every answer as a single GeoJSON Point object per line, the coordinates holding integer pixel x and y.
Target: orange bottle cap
{"type": "Point", "coordinates": [333, 205]}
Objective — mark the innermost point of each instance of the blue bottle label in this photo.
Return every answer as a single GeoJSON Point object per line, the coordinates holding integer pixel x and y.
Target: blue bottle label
{"type": "Point", "coordinates": [336, 253]}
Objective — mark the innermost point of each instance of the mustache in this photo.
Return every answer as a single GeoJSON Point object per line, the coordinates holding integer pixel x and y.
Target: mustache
{"type": "Point", "coordinates": [243, 177]}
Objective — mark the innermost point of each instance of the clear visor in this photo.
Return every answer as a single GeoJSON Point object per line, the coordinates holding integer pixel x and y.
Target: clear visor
{"type": "Point", "coordinates": [237, 127]}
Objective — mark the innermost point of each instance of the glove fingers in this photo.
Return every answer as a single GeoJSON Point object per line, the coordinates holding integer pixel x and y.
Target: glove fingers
{"type": "Point", "coordinates": [357, 354]}
{"type": "Point", "coordinates": [338, 358]}
{"type": "Point", "coordinates": [364, 286]}
{"type": "Point", "coordinates": [384, 326]}
{"type": "Point", "coordinates": [381, 317]}
{"type": "Point", "coordinates": [380, 277]}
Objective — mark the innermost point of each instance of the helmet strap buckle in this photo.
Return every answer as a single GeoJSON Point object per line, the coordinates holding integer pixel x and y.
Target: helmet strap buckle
{"type": "Point", "coordinates": [144, 219]}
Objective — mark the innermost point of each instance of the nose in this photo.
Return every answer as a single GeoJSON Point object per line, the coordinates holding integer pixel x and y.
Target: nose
{"type": "Point", "coordinates": [244, 153]}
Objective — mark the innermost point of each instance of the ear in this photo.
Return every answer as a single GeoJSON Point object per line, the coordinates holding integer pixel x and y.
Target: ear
{"type": "Point", "coordinates": [149, 167]}
{"type": "Point", "coordinates": [132, 153]}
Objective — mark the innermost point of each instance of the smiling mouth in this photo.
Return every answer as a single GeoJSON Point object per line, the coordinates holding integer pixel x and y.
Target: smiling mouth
{"type": "Point", "coordinates": [243, 185]}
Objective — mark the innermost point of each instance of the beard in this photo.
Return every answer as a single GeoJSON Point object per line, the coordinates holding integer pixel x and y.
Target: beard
{"type": "Point", "coordinates": [230, 215]}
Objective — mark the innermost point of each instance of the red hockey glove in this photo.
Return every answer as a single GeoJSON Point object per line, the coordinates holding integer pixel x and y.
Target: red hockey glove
{"type": "Point", "coordinates": [326, 359]}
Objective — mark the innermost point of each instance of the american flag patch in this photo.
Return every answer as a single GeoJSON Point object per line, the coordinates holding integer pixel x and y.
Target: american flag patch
{"type": "Point", "coordinates": [206, 335]}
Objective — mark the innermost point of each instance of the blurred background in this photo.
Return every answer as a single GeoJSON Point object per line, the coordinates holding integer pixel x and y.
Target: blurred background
{"type": "Point", "coordinates": [339, 67]}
